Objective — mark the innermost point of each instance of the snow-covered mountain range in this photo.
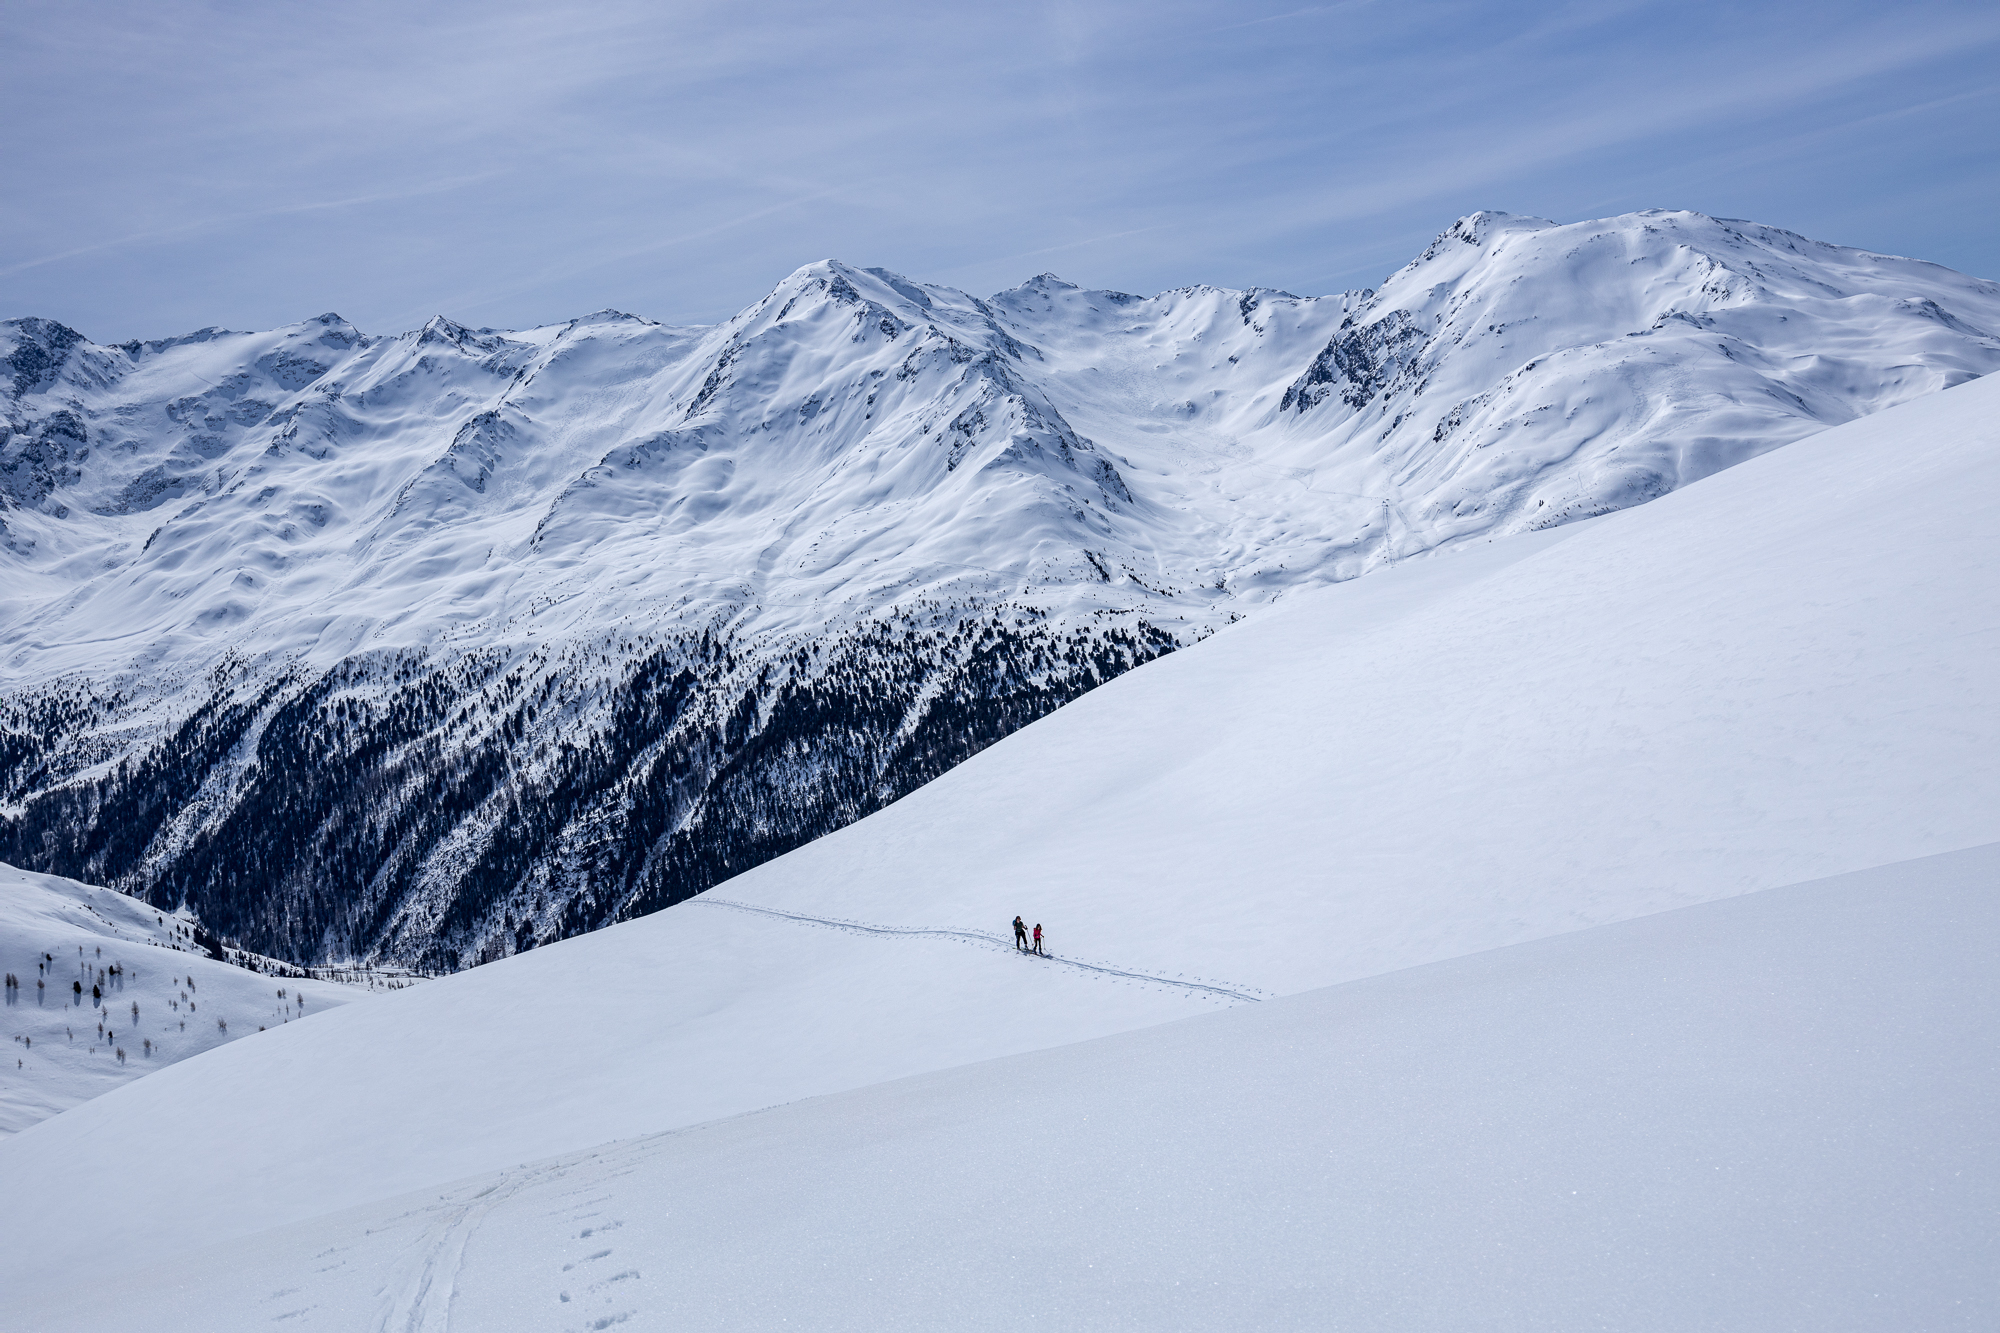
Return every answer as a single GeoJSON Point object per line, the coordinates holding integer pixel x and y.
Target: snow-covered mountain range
{"type": "Point", "coordinates": [1366, 1003]}
{"type": "Point", "coordinates": [437, 646]}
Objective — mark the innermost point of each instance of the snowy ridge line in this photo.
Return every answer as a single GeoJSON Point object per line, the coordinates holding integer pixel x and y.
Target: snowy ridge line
{"type": "Point", "coordinates": [982, 937]}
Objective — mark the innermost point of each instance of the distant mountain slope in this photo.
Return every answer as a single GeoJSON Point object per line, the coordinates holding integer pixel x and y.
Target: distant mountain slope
{"type": "Point", "coordinates": [109, 989]}
{"type": "Point", "coordinates": [437, 646]}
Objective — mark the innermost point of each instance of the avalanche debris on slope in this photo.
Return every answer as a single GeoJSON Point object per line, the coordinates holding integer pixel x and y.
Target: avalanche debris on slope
{"type": "Point", "coordinates": [441, 645]}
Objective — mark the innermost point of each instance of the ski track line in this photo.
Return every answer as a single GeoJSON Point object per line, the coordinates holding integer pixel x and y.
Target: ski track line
{"type": "Point", "coordinates": [423, 1304]}
{"type": "Point", "coordinates": [979, 937]}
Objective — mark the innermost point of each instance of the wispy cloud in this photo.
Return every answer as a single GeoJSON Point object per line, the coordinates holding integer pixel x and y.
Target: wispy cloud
{"type": "Point", "coordinates": [1309, 12]}
{"type": "Point", "coordinates": [179, 164]}
{"type": "Point", "coordinates": [487, 295]}
{"type": "Point", "coordinates": [227, 221]}
{"type": "Point", "coordinates": [987, 262]}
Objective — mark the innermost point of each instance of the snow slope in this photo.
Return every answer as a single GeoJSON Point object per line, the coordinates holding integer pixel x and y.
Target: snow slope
{"type": "Point", "coordinates": [1781, 673]}
{"type": "Point", "coordinates": [1784, 673]}
{"type": "Point", "coordinates": [163, 998]}
{"type": "Point", "coordinates": [1774, 1112]}
{"type": "Point", "coordinates": [450, 643]}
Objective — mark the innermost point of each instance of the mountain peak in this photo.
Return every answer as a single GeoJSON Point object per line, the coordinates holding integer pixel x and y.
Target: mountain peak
{"type": "Point", "coordinates": [876, 297]}
{"type": "Point", "coordinates": [1044, 291]}
{"type": "Point", "coordinates": [45, 331]}
{"type": "Point", "coordinates": [1476, 230]}
{"type": "Point", "coordinates": [610, 316]}
{"type": "Point", "coordinates": [442, 329]}
{"type": "Point", "coordinates": [41, 346]}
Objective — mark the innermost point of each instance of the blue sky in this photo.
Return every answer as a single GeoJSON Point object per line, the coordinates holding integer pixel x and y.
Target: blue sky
{"type": "Point", "coordinates": [172, 165]}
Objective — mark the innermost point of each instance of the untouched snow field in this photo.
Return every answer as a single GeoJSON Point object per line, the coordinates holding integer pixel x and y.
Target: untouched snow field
{"type": "Point", "coordinates": [158, 988]}
{"type": "Point", "coordinates": [1774, 1112]}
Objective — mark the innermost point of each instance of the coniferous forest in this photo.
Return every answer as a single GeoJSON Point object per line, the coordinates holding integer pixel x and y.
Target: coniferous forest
{"type": "Point", "coordinates": [438, 810]}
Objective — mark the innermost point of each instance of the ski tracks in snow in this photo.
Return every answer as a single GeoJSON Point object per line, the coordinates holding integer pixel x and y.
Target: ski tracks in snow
{"type": "Point", "coordinates": [989, 939]}
{"type": "Point", "coordinates": [420, 1295]}
{"type": "Point", "coordinates": [587, 1294]}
